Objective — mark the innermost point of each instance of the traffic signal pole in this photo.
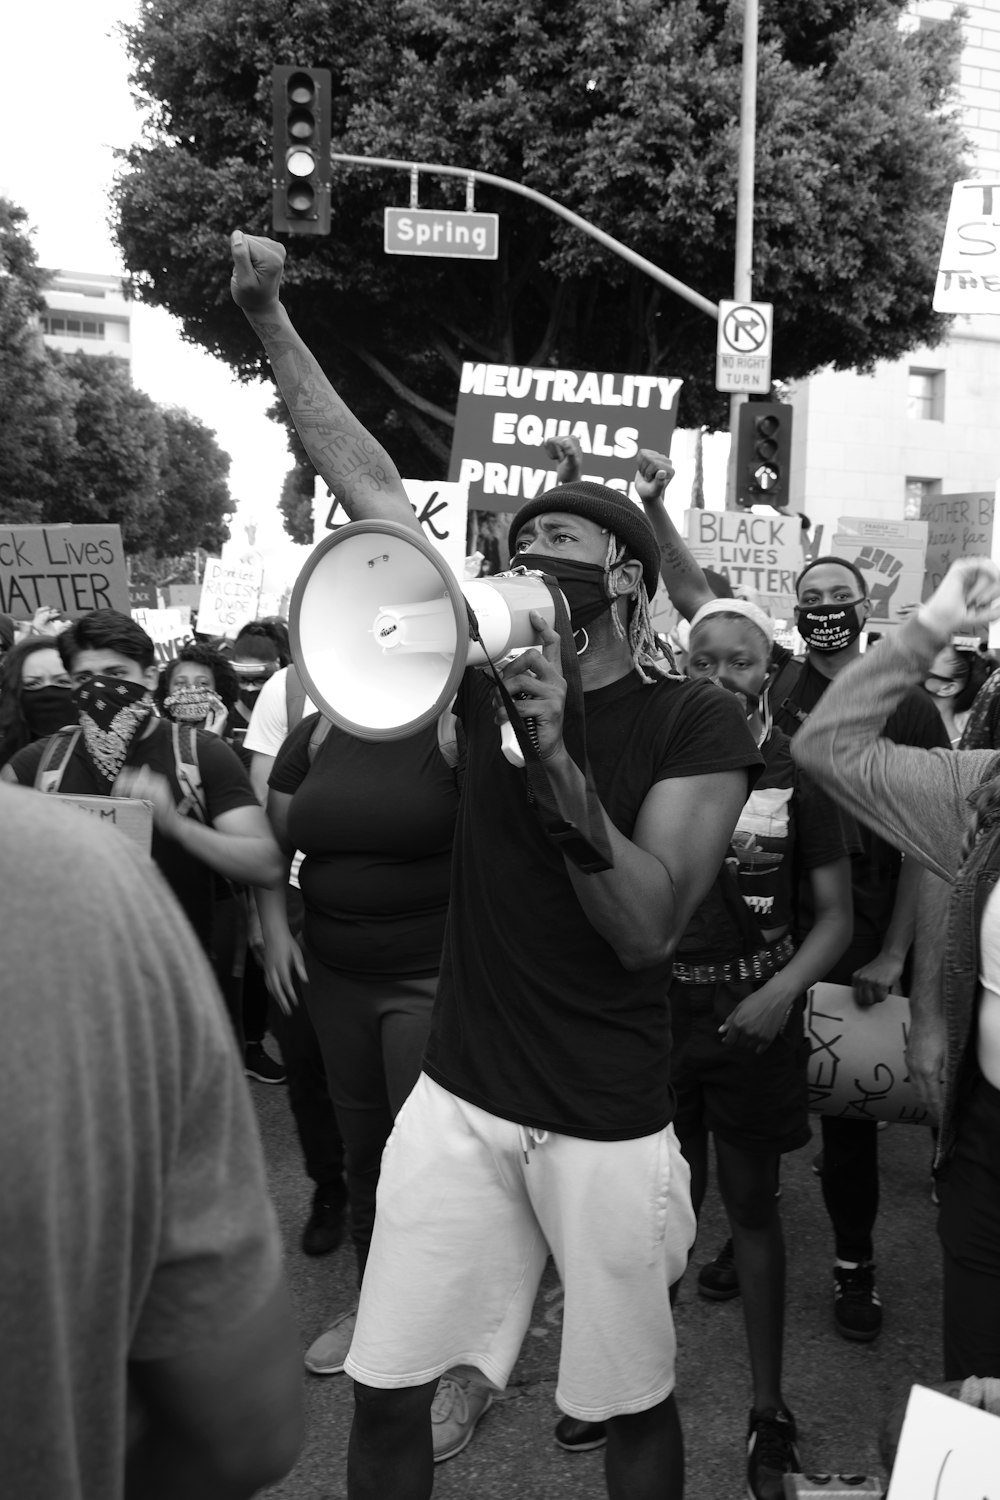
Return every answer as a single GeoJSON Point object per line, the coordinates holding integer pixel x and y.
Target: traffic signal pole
{"type": "Point", "coordinates": [472, 175]}
{"type": "Point", "coordinates": [743, 270]}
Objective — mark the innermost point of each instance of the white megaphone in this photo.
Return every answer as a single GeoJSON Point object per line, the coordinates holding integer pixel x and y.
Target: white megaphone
{"type": "Point", "coordinates": [380, 630]}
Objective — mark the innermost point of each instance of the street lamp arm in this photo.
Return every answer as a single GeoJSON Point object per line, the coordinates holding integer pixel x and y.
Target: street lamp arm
{"type": "Point", "coordinates": [638, 261]}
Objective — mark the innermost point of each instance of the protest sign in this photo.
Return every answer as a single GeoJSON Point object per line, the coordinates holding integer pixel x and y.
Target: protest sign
{"type": "Point", "coordinates": [890, 555]}
{"type": "Point", "coordinates": [167, 628]}
{"type": "Point", "coordinates": [762, 554]}
{"type": "Point", "coordinates": [442, 508]}
{"type": "Point", "coordinates": [856, 1065]}
{"type": "Point", "coordinates": [229, 595]}
{"type": "Point", "coordinates": [947, 1451]}
{"type": "Point", "coordinates": [506, 413]}
{"type": "Point", "coordinates": [143, 596]}
{"type": "Point", "coordinates": [957, 526]}
{"type": "Point", "coordinates": [184, 596]}
{"type": "Point", "coordinates": [73, 569]}
{"type": "Point", "coordinates": [128, 815]}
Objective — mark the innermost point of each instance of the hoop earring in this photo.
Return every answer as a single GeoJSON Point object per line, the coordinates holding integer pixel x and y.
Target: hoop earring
{"type": "Point", "coordinates": [768, 718]}
{"type": "Point", "coordinates": [586, 640]}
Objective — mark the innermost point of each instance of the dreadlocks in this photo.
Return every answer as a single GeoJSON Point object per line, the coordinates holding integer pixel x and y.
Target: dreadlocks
{"type": "Point", "coordinates": [640, 634]}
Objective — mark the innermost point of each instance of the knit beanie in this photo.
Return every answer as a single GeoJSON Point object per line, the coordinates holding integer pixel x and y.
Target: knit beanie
{"type": "Point", "coordinates": [606, 507]}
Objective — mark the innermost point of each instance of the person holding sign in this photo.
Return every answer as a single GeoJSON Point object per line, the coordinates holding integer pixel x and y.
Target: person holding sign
{"type": "Point", "coordinates": [941, 809]}
{"type": "Point", "coordinates": [122, 749]}
{"type": "Point", "coordinates": [541, 1119]}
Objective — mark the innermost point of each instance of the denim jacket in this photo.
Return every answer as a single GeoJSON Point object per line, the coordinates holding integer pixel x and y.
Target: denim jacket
{"type": "Point", "coordinates": [917, 800]}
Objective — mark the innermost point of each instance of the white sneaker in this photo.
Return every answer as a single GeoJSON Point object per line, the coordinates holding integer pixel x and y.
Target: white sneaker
{"type": "Point", "coordinates": [326, 1356]}
{"type": "Point", "coordinates": [457, 1407]}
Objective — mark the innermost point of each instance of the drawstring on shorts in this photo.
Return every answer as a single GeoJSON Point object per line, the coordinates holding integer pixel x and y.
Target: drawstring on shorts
{"type": "Point", "coordinates": [531, 1137]}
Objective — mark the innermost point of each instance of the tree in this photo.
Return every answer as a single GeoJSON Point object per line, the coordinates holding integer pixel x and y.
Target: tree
{"type": "Point", "coordinates": [626, 112]}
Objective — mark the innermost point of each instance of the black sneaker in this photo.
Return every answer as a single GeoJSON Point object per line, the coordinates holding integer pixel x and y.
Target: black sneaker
{"type": "Point", "coordinates": [257, 1064]}
{"type": "Point", "coordinates": [580, 1437]}
{"type": "Point", "coordinates": [771, 1453]}
{"type": "Point", "coordinates": [857, 1310]}
{"type": "Point", "coordinates": [324, 1228]}
{"type": "Point", "coordinates": [718, 1280]}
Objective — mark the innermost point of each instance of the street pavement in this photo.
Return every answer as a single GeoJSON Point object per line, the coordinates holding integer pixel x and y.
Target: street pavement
{"type": "Point", "coordinates": [841, 1393]}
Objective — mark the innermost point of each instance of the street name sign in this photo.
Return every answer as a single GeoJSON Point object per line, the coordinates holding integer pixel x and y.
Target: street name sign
{"type": "Point", "coordinates": [441, 232]}
{"type": "Point", "coordinates": [743, 350]}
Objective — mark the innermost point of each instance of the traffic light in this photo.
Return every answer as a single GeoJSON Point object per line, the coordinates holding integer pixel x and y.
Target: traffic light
{"type": "Point", "coordinates": [763, 453]}
{"type": "Point", "coordinates": [301, 182]}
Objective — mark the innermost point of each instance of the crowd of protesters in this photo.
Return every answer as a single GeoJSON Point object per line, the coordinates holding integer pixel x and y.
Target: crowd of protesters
{"type": "Point", "coordinates": [475, 1090]}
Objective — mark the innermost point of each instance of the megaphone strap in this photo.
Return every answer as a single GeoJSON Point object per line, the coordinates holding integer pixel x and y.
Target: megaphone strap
{"type": "Point", "coordinates": [589, 848]}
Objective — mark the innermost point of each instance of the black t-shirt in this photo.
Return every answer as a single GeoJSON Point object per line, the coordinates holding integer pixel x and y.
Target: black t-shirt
{"type": "Point", "coordinates": [375, 821]}
{"type": "Point", "coordinates": [536, 1020]}
{"type": "Point", "coordinates": [225, 786]}
{"type": "Point", "coordinates": [787, 828]}
{"type": "Point", "coordinates": [875, 870]}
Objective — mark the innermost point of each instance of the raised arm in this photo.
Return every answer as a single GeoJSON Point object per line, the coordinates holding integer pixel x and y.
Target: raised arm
{"type": "Point", "coordinates": [916, 799]}
{"type": "Point", "coordinates": [353, 464]}
{"type": "Point", "coordinates": [682, 578]}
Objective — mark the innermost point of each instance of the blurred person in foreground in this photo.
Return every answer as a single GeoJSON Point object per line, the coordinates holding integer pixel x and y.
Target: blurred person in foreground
{"type": "Point", "coordinates": [148, 1348]}
{"type": "Point", "coordinates": [942, 808]}
{"type": "Point", "coordinates": [541, 1119]}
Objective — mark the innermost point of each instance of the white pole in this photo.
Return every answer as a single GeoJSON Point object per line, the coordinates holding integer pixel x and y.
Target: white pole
{"type": "Point", "coordinates": [743, 269]}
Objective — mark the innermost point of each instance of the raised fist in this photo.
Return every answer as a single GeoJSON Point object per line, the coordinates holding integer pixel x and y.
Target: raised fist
{"type": "Point", "coordinates": [568, 455]}
{"type": "Point", "coordinates": [653, 472]}
{"type": "Point", "coordinates": [885, 570]}
{"type": "Point", "coordinates": [257, 266]}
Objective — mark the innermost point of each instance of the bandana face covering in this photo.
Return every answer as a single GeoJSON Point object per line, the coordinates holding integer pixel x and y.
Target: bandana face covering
{"type": "Point", "coordinates": [828, 627]}
{"type": "Point", "coordinates": [192, 705]}
{"type": "Point", "coordinates": [584, 584]}
{"type": "Point", "coordinates": [47, 709]}
{"type": "Point", "coordinates": [112, 712]}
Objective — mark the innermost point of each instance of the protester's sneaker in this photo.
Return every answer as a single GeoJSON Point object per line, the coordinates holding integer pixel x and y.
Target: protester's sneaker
{"type": "Point", "coordinates": [718, 1280]}
{"type": "Point", "coordinates": [257, 1064]}
{"type": "Point", "coordinates": [857, 1310]}
{"type": "Point", "coordinates": [457, 1407]}
{"type": "Point", "coordinates": [324, 1228]}
{"type": "Point", "coordinates": [771, 1453]}
{"type": "Point", "coordinates": [576, 1436]}
{"type": "Point", "coordinates": [326, 1356]}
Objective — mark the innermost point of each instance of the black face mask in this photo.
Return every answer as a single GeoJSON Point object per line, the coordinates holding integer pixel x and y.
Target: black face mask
{"type": "Point", "coordinates": [829, 627]}
{"type": "Point", "coordinates": [584, 584]}
{"type": "Point", "coordinates": [47, 709]}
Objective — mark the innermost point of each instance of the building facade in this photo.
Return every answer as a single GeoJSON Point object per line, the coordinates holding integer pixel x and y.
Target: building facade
{"type": "Point", "coordinates": [85, 310]}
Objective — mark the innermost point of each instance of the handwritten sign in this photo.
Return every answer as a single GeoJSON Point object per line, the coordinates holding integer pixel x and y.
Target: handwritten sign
{"type": "Point", "coordinates": [506, 414]}
{"type": "Point", "coordinates": [856, 1063]}
{"type": "Point", "coordinates": [947, 1451]}
{"type": "Point", "coordinates": [128, 815]}
{"type": "Point", "coordinates": [229, 596]}
{"type": "Point", "coordinates": [968, 279]}
{"type": "Point", "coordinates": [441, 507]}
{"type": "Point", "coordinates": [73, 569]}
{"type": "Point", "coordinates": [957, 526]}
{"type": "Point", "coordinates": [168, 629]}
{"type": "Point", "coordinates": [762, 554]}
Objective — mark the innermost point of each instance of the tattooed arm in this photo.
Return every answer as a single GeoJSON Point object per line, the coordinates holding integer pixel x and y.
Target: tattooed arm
{"type": "Point", "coordinates": [353, 464]}
{"type": "Point", "coordinates": [682, 578]}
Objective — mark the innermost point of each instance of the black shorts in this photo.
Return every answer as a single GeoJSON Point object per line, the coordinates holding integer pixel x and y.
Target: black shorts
{"type": "Point", "coordinates": [756, 1101]}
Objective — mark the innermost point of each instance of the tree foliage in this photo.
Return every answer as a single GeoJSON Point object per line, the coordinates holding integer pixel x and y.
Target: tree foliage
{"type": "Point", "coordinates": [80, 444]}
{"type": "Point", "coordinates": [624, 110]}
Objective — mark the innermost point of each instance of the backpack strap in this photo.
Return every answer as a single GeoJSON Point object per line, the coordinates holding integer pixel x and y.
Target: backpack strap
{"type": "Point", "coordinates": [188, 770]}
{"type": "Point", "coordinates": [56, 757]}
{"type": "Point", "coordinates": [321, 729]}
{"type": "Point", "coordinates": [452, 743]}
{"type": "Point", "coordinates": [785, 692]}
{"type": "Point", "coordinates": [295, 697]}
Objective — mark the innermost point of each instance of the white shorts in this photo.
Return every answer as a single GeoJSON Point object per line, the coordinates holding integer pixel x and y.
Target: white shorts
{"type": "Point", "coordinates": [463, 1228]}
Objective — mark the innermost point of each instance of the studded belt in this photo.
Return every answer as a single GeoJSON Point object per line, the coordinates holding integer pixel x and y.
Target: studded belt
{"type": "Point", "coordinates": [759, 965]}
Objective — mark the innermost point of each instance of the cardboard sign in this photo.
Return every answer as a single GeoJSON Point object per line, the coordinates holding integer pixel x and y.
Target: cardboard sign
{"type": "Point", "coordinates": [441, 508]}
{"type": "Point", "coordinates": [229, 596]}
{"type": "Point", "coordinates": [968, 278]}
{"type": "Point", "coordinates": [506, 413]}
{"type": "Point", "coordinates": [760, 553]}
{"type": "Point", "coordinates": [143, 596]}
{"type": "Point", "coordinates": [73, 569]}
{"type": "Point", "coordinates": [957, 526]}
{"type": "Point", "coordinates": [128, 815]}
{"type": "Point", "coordinates": [890, 554]}
{"type": "Point", "coordinates": [856, 1063]}
{"type": "Point", "coordinates": [947, 1451]}
{"type": "Point", "coordinates": [167, 628]}
{"type": "Point", "coordinates": [184, 596]}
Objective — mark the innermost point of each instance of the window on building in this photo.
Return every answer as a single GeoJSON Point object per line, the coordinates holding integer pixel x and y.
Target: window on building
{"type": "Point", "coordinates": [925, 396]}
{"type": "Point", "coordinates": [917, 491]}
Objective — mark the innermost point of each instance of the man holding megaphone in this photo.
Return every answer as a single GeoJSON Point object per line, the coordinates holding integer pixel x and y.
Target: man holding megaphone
{"type": "Point", "coordinates": [541, 1121]}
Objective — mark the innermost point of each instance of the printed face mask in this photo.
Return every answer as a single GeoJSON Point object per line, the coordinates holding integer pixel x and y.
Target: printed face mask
{"type": "Point", "coordinates": [192, 705]}
{"type": "Point", "coordinates": [47, 709]}
{"type": "Point", "coordinates": [112, 712]}
{"type": "Point", "coordinates": [584, 584]}
{"type": "Point", "coordinates": [829, 627]}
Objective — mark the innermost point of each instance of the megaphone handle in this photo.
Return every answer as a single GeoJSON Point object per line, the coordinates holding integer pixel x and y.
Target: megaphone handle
{"type": "Point", "coordinates": [509, 743]}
